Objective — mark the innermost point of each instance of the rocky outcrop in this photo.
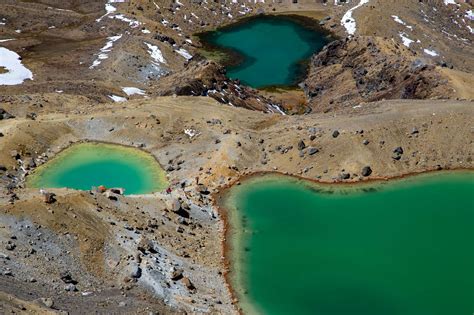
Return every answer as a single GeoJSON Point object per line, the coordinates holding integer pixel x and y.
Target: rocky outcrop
{"type": "Point", "coordinates": [364, 69]}
{"type": "Point", "coordinates": [207, 78]}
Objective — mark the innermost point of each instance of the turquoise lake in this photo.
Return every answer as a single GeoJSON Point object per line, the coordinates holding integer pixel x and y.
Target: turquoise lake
{"type": "Point", "coordinates": [402, 247]}
{"type": "Point", "coordinates": [86, 165]}
{"type": "Point", "coordinates": [270, 50]}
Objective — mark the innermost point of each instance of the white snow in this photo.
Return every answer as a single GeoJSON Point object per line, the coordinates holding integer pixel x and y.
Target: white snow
{"type": "Point", "coordinates": [155, 53]}
{"type": "Point", "coordinates": [183, 52]}
{"type": "Point", "coordinates": [132, 91]}
{"type": "Point", "coordinates": [104, 50]}
{"type": "Point", "coordinates": [406, 41]}
{"type": "Point", "coordinates": [16, 71]}
{"type": "Point", "coordinates": [348, 21]}
{"type": "Point", "coordinates": [133, 23]}
{"type": "Point", "coordinates": [117, 99]}
{"type": "Point", "coordinates": [108, 10]}
{"type": "Point", "coordinates": [430, 52]}
{"type": "Point", "coordinates": [6, 40]}
{"type": "Point", "coordinates": [446, 2]}
{"type": "Point", "coordinates": [400, 21]}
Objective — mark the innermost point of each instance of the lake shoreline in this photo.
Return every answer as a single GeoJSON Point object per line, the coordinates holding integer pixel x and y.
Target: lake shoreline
{"type": "Point", "coordinates": [231, 57]}
{"type": "Point", "coordinates": [221, 197]}
{"type": "Point", "coordinates": [29, 179]}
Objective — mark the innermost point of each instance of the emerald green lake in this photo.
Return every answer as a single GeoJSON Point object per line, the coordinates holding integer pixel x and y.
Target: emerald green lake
{"type": "Point", "coordinates": [268, 50]}
{"type": "Point", "coordinates": [85, 165]}
{"type": "Point", "coordinates": [402, 247]}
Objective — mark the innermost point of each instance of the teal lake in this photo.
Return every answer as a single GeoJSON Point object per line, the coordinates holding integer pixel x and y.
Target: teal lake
{"type": "Point", "coordinates": [271, 50]}
{"type": "Point", "coordinates": [86, 165]}
{"type": "Point", "coordinates": [402, 247]}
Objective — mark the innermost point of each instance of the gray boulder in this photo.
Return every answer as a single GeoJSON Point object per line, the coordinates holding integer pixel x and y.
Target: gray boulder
{"type": "Point", "coordinates": [312, 150]}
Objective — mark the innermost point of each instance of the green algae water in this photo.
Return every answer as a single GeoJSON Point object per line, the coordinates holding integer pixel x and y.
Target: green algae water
{"type": "Point", "coordinates": [402, 247]}
{"type": "Point", "coordinates": [85, 165]}
{"type": "Point", "coordinates": [268, 50]}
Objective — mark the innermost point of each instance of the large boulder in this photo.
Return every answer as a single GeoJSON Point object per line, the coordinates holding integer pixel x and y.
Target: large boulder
{"type": "Point", "coordinates": [366, 171]}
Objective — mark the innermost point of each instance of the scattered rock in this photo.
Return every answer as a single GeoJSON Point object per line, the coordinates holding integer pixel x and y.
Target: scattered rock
{"type": "Point", "coordinates": [344, 175]}
{"type": "Point", "coordinates": [10, 246]}
{"type": "Point", "coordinates": [175, 205]}
{"type": "Point", "coordinates": [312, 150]}
{"type": "Point", "coordinates": [48, 302]}
{"type": "Point", "coordinates": [111, 196]}
{"type": "Point", "coordinates": [15, 154]}
{"type": "Point", "coordinates": [177, 274]}
{"type": "Point", "coordinates": [48, 197]}
{"type": "Point", "coordinates": [397, 153]}
{"type": "Point", "coordinates": [335, 134]}
{"type": "Point", "coordinates": [31, 116]}
{"type": "Point", "coordinates": [203, 189]}
{"type": "Point", "coordinates": [366, 171]}
{"type": "Point", "coordinates": [118, 191]}
{"type": "Point", "coordinates": [67, 278]}
{"type": "Point", "coordinates": [5, 115]}
{"type": "Point", "coordinates": [136, 271]}
{"type": "Point", "coordinates": [188, 283]}
{"type": "Point", "coordinates": [29, 163]}
{"type": "Point", "coordinates": [301, 145]}
{"type": "Point", "coordinates": [398, 150]}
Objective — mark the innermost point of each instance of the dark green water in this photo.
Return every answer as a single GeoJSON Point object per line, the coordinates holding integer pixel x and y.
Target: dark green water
{"type": "Point", "coordinates": [271, 49]}
{"type": "Point", "coordinates": [404, 247]}
{"type": "Point", "coordinates": [83, 166]}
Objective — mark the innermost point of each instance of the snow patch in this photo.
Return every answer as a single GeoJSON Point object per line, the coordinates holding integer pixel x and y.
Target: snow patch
{"type": "Point", "coordinates": [105, 50]}
{"type": "Point", "coordinates": [430, 52]}
{"type": "Point", "coordinates": [183, 52]}
{"type": "Point", "coordinates": [155, 53]}
{"type": "Point", "coordinates": [16, 71]}
{"type": "Point", "coordinates": [117, 99]}
{"type": "Point", "coordinates": [406, 41]}
{"type": "Point", "coordinates": [348, 21]}
{"type": "Point", "coordinates": [446, 2]}
{"type": "Point", "coordinates": [132, 91]}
